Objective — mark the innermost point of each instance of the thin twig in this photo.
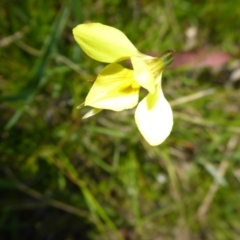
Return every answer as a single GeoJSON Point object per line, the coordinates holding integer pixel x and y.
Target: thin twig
{"type": "Point", "coordinates": [57, 57]}
{"type": "Point", "coordinates": [206, 203]}
{"type": "Point", "coordinates": [193, 97]}
{"type": "Point", "coordinates": [70, 64]}
{"type": "Point", "coordinates": [29, 49]}
{"type": "Point", "coordinates": [202, 122]}
{"type": "Point", "coordinates": [49, 201]}
{"type": "Point", "coordinates": [13, 38]}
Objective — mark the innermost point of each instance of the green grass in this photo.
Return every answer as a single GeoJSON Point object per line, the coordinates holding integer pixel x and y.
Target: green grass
{"type": "Point", "coordinates": [62, 177]}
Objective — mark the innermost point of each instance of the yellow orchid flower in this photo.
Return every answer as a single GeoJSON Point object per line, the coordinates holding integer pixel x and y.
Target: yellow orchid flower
{"type": "Point", "coordinates": [117, 88]}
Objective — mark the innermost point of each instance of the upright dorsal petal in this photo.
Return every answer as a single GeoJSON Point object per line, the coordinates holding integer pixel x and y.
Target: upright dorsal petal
{"type": "Point", "coordinates": [146, 71]}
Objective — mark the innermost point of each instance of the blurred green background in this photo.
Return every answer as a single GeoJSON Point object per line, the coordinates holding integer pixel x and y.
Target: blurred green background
{"type": "Point", "coordinates": [65, 178]}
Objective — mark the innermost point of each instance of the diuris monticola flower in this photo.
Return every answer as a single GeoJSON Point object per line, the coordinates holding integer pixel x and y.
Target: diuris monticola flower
{"type": "Point", "coordinates": [117, 88]}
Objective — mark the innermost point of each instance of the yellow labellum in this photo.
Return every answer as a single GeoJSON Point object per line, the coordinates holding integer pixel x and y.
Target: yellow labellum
{"type": "Point", "coordinates": [113, 89]}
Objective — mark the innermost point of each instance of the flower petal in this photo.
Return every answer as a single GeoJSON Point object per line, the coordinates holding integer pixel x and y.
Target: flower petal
{"type": "Point", "coordinates": [91, 113]}
{"type": "Point", "coordinates": [154, 117]}
{"type": "Point", "coordinates": [81, 105]}
{"type": "Point", "coordinates": [146, 71]}
{"type": "Point", "coordinates": [104, 43]}
{"type": "Point", "coordinates": [114, 89]}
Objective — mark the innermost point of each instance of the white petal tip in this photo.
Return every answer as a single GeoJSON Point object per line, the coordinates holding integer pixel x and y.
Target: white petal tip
{"type": "Point", "coordinates": [91, 113]}
{"type": "Point", "coordinates": [154, 118]}
{"type": "Point", "coordinates": [81, 105]}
